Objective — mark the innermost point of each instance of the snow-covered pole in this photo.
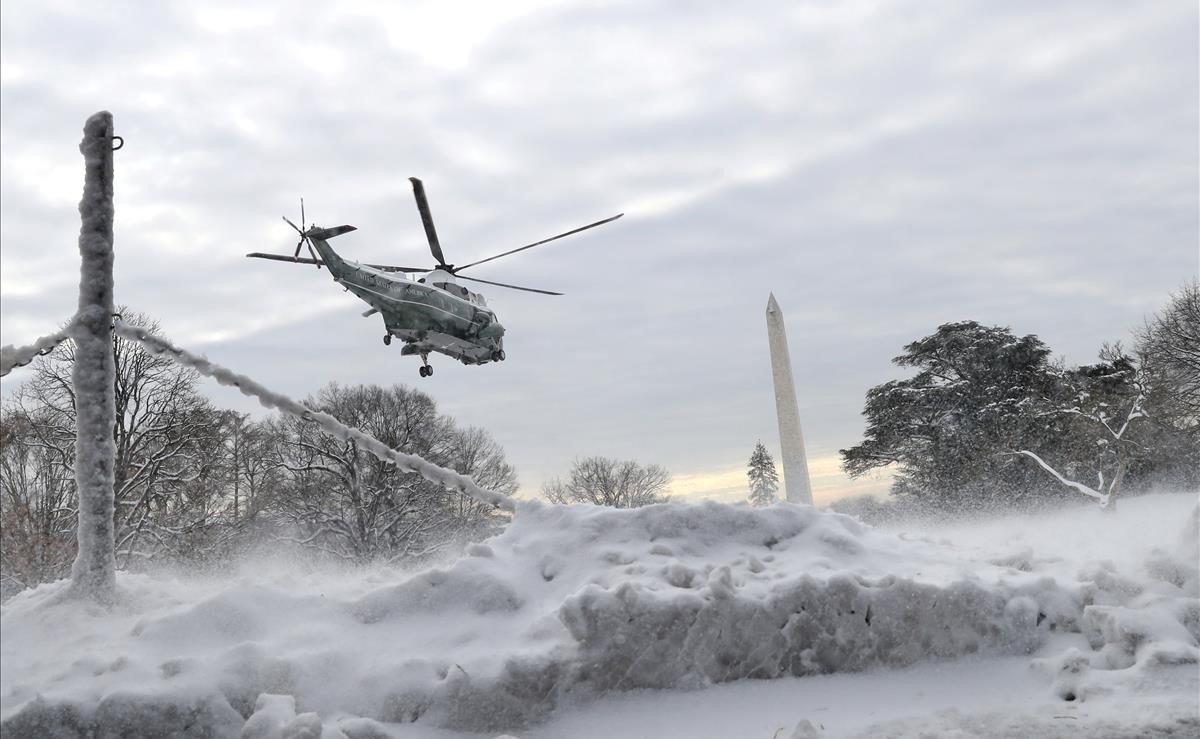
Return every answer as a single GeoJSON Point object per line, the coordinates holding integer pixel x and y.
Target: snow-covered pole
{"type": "Point", "coordinates": [94, 573]}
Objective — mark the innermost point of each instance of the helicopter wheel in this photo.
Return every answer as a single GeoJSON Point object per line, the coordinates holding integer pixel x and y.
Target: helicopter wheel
{"type": "Point", "coordinates": [421, 371]}
{"type": "Point", "coordinates": [387, 339]}
{"type": "Point", "coordinates": [498, 355]}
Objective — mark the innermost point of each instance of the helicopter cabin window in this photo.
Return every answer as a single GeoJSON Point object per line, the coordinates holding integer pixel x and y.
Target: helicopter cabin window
{"type": "Point", "coordinates": [455, 290]}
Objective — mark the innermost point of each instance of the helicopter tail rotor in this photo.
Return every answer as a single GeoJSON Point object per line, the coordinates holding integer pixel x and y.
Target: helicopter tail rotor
{"type": "Point", "coordinates": [304, 240]}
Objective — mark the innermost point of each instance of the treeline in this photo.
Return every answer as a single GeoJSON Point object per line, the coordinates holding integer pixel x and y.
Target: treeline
{"type": "Point", "coordinates": [990, 421]}
{"type": "Point", "coordinates": [196, 484]}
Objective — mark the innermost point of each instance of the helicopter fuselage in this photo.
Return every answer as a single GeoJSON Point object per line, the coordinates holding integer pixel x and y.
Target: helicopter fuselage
{"type": "Point", "coordinates": [432, 314]}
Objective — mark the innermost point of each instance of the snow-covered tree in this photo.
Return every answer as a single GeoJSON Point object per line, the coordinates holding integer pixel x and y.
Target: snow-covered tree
{"type": "Point", "coordinates": [946, 429]}
{"type": "Point", "coordinates": [1106, 408]}
{"type": "Point", "coordinates": [610, 482]}
{"type": "Point", "coordinates": [764, 480]}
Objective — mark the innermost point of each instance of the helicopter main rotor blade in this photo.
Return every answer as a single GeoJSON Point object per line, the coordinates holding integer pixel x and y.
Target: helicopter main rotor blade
{"type": "Point", "coordinates": [285, 258]}
{"type": "Point", "coordinates": [539, 243]}
{"type": "Point", "coordinates": [427, 220]}
{"type": "Point", "coordinates": [511, 287]}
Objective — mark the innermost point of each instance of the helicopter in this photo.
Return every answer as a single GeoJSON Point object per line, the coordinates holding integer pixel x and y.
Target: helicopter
{"type": "Point", "coordinates": [431, 313]}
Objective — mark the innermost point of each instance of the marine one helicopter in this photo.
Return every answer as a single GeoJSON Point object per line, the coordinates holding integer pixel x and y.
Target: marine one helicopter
{"type": "Point", "coordinates": [432, 313]}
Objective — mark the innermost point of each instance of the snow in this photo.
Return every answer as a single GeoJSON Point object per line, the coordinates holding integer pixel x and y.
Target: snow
{"type": "Point", "coordinates": [973, 697]}
{"type": "Point", "coordinates": [670, 620]}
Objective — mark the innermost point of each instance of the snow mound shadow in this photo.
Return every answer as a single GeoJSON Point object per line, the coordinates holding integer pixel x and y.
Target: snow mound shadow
{"type": "Point", "coordinates": [570, 601]}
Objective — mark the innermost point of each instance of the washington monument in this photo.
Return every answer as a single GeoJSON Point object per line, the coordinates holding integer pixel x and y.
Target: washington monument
{"type": "Point", "coordinates": [791, 440]}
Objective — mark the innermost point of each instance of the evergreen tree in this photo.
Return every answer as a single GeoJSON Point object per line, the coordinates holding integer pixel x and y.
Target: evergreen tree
{"type": "Point", "coordinates": [967, 431]}
{"type": "Point", "coordinates": [764, 480]}
{"type": "Point", "coordinates": [949, 429]}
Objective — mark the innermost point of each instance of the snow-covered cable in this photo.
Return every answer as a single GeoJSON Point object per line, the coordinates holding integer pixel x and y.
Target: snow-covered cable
{"type": "Point", "coordinates": [406, 462]}
{"type": "Point", "coordinates": [19, 356]}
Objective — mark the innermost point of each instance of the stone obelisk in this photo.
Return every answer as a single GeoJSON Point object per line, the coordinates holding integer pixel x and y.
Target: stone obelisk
{"type": "Point", "coordinates": [791, 440]}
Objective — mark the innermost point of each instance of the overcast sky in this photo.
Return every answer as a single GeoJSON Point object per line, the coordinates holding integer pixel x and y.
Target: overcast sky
{"type": "Point", "coordinates": [883, 167]}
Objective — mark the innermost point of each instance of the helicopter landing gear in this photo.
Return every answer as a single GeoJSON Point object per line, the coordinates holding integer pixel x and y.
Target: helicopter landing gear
{"type": "Point", "coordinates": [387, 339]}
{"type": "Point", "coordinates": [498, 355]}
{"type": "Point", "coordinates": [426, 369]}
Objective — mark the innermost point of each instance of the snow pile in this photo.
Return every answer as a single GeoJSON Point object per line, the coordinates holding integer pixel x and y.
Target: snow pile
{"type": "Point", "coordinates": [576, 602]}
{"type": "Point", "coordinates": [1134, 625]}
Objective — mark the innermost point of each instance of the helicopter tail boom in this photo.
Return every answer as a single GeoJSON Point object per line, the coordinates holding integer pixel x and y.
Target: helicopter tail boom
{"type": "Point", "coordinates": [319, 238]}
{"type": "Point", "coordinates": [328, 233]}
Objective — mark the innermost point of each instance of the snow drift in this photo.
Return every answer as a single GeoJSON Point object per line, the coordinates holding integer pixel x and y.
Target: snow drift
{"type": "Point", "coordinates": [575, 601]}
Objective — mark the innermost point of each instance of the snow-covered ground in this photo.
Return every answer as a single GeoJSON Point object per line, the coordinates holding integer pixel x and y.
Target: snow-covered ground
{"type": "Point", "coordinates": [688, 620]}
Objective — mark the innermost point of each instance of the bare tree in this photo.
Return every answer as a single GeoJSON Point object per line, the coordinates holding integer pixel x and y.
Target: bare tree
{"type": "Point", "coordinates": [250, 469]}
{"type": "Point", "coordinates": [610, 482]}
{"type": "Point", "coordinates": [1169, 348]}
{"type": "Point", "coordinates": [349, 504]}
{"type": "Point", "coordinates": [472, 451]}
{"type": "Point", "coordinates": [166, 437]}
{"type": "Point", "coordinates": [37, 507]}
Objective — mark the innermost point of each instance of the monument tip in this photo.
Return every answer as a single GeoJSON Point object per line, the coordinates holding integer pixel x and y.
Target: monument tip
{"type": "Point", "coordinates": [772, 306]}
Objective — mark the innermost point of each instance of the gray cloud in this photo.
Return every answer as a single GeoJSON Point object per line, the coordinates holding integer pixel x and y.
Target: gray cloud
{"type": "Point", "coordinates": [883, 167]}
